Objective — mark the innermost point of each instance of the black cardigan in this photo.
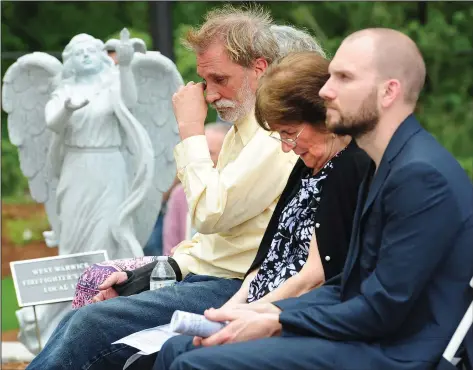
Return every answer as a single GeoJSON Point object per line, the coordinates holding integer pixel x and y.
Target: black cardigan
{"type": "Point", "coordinates": [334, 213]}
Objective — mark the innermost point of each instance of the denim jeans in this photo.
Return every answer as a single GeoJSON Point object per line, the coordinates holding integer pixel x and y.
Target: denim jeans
{"type": "Point", "coordinates": [154, 246]}
{"type": "Point", "coordinates": [83, 338]}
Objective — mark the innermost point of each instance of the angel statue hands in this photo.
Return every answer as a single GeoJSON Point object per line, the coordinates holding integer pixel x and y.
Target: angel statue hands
{"type": "Point", "coordinates": [72, 107]}
{"type": "Point", "coordinates": [95, 140]}
{"type": "Point", "coordinates": [125, 49]}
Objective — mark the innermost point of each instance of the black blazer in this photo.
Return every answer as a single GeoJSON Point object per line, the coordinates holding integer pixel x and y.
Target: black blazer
{"type": "Point", "coordinates": [335, 212]}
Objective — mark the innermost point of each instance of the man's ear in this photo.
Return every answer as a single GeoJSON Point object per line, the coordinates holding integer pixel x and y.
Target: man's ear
{"type": "Point", "coordinates": [391, 91]}
{"type": "Point", "coordinates": [260, 66]}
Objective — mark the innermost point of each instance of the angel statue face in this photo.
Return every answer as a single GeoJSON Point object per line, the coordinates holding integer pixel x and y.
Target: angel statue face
{"type": "Point", "coordinates": [84, 55]}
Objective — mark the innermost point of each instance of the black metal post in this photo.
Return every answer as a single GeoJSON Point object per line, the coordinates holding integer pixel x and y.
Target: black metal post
{"type": "Point", "coordinates": [161, 27]}
{"type": "Point", "coordinates": [422, 11]}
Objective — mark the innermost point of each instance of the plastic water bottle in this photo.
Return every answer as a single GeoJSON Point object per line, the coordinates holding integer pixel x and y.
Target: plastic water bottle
{"type": "Point", "coordinates": [163, 274]}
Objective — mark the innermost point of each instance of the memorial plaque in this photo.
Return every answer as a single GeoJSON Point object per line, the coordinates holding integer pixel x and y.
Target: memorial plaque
{"type": "Point", "coordinates": [51, 279]}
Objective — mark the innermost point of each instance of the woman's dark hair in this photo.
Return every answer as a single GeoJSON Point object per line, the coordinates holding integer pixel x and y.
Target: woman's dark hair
{"type": "Point", "coordinates": [288, 92]}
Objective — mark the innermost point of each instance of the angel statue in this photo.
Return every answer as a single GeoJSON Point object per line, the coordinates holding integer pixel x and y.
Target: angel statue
{"type": "Point", "coordinates": [95, 140]}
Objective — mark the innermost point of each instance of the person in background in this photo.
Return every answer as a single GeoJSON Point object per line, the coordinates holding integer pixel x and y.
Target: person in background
{"type": "Point", "coordinates": [111, 47]}
{"type": "Point", "coordinates": [176, 226]}
{"type": "Point", "coordinates": [155, 244]}
{"type": "Point", "coordinates": [292, 39]}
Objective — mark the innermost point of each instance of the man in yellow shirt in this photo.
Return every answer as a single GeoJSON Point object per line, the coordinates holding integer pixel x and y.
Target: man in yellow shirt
{"type": "Point", "coordinates": [230, 205]}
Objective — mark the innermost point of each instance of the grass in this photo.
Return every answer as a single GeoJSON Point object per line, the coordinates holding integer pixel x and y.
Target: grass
{"type": "Point", "coordinates": [16, 228]}
{"type": "Point", "coordinates": [18, 199]}
{"type": "Point", "coordinates": [9, 305]}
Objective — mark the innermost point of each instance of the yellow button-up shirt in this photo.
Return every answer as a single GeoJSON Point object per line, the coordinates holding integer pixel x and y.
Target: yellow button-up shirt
{"type": "Point", "coordinates": [230, 205]}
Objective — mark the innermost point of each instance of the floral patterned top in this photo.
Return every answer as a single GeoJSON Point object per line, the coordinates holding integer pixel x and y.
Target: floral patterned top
{"type": "Point", "coordinates": [290, 246]}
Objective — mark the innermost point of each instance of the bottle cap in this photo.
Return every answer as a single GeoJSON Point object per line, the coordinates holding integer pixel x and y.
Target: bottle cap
{"type": "Point", "coordinates": [162, 258]}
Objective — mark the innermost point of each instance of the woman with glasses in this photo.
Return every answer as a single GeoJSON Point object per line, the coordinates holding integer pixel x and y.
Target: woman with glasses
{"type": "Point", "coordinates": [307, 239]}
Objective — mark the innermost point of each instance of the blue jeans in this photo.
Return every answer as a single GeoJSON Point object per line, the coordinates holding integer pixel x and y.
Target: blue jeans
{"type": "Point", "coordinates": [154, 246]}
{"type": "Point", "coordinates": [83, 338]}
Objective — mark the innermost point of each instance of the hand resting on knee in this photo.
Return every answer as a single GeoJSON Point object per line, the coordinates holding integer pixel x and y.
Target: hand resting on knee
{"type": "Point", "coordinates": [106, 288]}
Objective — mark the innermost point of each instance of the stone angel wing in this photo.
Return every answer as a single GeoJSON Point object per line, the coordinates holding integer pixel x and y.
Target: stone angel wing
{"type": "Point", "coordinates": [27, 87]}
{"type": "Point", "coordinates": [157, 79]}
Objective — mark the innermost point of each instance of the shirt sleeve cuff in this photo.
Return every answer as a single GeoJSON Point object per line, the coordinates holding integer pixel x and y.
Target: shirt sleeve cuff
{"type": "Point", "coordinates": [184, 261]}
{"type": "Point", "coordinates": [192, 149]}
{"type": "Point", "coordinates": [289, 324]}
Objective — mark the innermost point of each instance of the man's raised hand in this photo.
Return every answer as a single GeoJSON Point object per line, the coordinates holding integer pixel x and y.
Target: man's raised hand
{"type": "Point", "coordinates": [190, 109]}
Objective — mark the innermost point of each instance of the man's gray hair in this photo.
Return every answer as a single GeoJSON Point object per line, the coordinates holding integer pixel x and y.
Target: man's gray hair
{"type": "Point", "coordinates": [291, 39]}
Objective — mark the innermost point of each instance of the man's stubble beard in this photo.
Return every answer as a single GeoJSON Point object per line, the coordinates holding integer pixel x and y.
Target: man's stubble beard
{"type": "Point", "coordinates": [247, 98]}
{"type": "Point", "coordinates": [361, 123]}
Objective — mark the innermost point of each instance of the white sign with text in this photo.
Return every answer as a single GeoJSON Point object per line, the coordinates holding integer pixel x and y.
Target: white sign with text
{"type": "Point", "coordinates": [51, 279]}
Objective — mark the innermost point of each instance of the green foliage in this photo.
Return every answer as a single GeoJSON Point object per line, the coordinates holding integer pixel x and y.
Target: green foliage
{"type": "Point", "coordinates": [443, 31]}
{"type": "Point", "coordinates": [16, 229]}
{"type": "Point", "coordinates": [24, 198]}
{"type": "Point", "coordinates": [13, 181]}
{"type": "Point", "coordinates": [467, 164]}
{"type": "Point", "coordinates": [9, 305]}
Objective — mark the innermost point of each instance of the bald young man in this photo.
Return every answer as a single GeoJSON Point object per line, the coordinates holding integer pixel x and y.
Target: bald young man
{"type": "Point", "coordinates": [405, 284]}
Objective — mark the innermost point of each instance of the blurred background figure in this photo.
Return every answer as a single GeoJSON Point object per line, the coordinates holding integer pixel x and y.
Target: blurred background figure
{"type": "Point", "coordinates": [154, 246]}
{"type": "Point", "coordinates": [293, 39]}
{"type": "Point", "coordinates": [173, 223]}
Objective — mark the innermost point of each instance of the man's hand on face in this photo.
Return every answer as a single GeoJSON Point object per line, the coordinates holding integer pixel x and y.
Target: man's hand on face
{"type": "Point", "coordinates": [190, 109]}
{"type": "Point", "coordinates": [106, 290]}
{"type": "Point", "coordinates": [244, 325]}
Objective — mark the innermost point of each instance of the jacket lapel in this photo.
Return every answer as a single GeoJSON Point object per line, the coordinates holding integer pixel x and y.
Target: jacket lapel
{"type": "Point", "coordinates": [355, 232]}
{"type": "Point", "coordinates": [407, 128]}
{"type": "Point", "coordinates": [378, 180]}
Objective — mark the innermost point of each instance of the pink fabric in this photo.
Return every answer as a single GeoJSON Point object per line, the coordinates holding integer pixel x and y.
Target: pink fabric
{"type": "Point", "coordinates": [93, 276]}
{"type": "Point", "coordinates": [175, 219]}
{"type": "Point", "coordinates": [174, 232]}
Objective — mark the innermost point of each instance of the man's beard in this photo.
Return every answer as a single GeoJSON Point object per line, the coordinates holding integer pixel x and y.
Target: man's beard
{"type": "Point", "coordinates": [358, 125]}
{"type": "Point", "coordinates": [236, 111]}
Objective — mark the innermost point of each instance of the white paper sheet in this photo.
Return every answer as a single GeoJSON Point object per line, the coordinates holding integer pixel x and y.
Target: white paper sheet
{"type": "Point", "coordinates": [148, 341]}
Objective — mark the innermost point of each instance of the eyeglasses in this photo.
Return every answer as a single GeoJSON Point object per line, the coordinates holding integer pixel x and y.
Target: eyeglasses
{"type": "Point", "coordinates": [290, 142]}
